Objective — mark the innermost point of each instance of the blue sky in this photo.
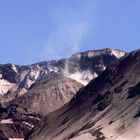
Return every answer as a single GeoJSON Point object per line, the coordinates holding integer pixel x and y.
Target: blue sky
{"type": "Point", "coordinates": [37, 30]}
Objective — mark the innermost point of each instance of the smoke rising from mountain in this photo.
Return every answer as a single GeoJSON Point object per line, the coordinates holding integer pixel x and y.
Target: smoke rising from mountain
{"type": "Point", "coordinates": [68, 40]}
{"type": "Point", "coordinates": [76, 34]}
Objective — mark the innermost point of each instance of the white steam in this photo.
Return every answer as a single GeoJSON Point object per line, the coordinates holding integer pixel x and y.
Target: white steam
{"type": "Point", "coordinates": [75, 35]}
{"type": "Point", "coordinates": [65, 40]}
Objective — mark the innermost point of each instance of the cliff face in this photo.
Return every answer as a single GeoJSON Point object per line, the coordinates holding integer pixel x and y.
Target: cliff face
{"type": "Point", "coordinates": [107, 108]}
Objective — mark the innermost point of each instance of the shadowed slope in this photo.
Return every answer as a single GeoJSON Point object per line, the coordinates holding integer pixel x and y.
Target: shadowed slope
{"type": "Point", "coordinates": [101, 110]}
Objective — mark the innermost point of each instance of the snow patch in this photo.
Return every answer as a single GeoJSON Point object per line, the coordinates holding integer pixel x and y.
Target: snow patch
{"type": "Point", "coordinates": [82, 77]}
{"type": "Point", "coordinates": [5, 86]}
{"type": "Point", "coordinates": [32, 117]}
{"type": "Point", "coordinates": [6, 121]}
{"type": "Point", "coordinates": [117, 53]}
{"type": "Point", "coordinates": [23, 74]}
{"type": "Point", "coordinates": [28, 124]}
{"type": "Point", "coordinates": [52, 69]}
{"type": "Point", "coordinates": [14, 68]}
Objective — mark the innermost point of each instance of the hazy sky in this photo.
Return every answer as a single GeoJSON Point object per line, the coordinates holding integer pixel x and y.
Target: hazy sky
{"type": "Point", "coordinates": [36, 30]}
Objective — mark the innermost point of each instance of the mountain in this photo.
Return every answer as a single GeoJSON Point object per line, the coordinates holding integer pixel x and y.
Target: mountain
{"type": "Point", "coordinates": [48, 94]}
{"type": "Point", "coordinates": [108, 108]}
{"type": "Point", "coordinates": [30, 92]}
{"type": "Point", "coordinates": [16, 80]}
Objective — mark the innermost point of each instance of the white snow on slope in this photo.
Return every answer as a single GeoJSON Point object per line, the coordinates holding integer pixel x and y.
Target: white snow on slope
{"type": "Point", "coordinates": [14, 68]}
{"type": "Point", "coordinates": [6, 121]}
{"type": "Point", "coordinates": [28, 124]}
{"type": "Point", "coordinates": [5, 86]}
{"type": "Point", "coordinates": [23, 74]}
{"type": "Point", "coordinates": [32, 117]}
{"type": "Point", "coordinates": [82, 77]}
{"type": "Point", "coordinates": [117, 53]}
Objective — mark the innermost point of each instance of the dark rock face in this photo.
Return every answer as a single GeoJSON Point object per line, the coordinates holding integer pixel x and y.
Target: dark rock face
{"type": "Point", "coordinates": [102, 109]}
{"type": "Point", "coordinates": [2, 136]}
{"type": "Point", "coordinates": [134, 91]}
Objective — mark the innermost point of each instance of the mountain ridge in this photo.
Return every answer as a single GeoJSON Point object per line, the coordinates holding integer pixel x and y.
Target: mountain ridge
{"type": "Point", "coordinates": [16, 80]}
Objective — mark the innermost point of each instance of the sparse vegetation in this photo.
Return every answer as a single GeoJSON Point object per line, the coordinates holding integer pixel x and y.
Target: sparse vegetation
{"type": "Point", "coordinates": [97, 133]}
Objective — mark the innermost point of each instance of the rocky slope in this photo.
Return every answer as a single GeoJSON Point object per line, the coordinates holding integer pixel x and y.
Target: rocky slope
{"type": "Point", "coordinates": [48, 94]}
{"type": "Point", "coordinates": [106, 109]}
{"type": "Point", "coordinates": [16, 80]}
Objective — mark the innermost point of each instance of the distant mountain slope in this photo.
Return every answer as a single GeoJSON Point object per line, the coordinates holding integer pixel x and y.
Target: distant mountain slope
{"type": "Point", "coordinates": [48, 94]}
{"type": "Point", "coordinates": [108, 108]}
{"type": "Point", "coordinates": [16, 80]}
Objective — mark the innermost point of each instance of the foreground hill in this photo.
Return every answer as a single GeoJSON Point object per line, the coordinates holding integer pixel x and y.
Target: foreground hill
{"type": "Point", "coordinates": [106, 109]}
